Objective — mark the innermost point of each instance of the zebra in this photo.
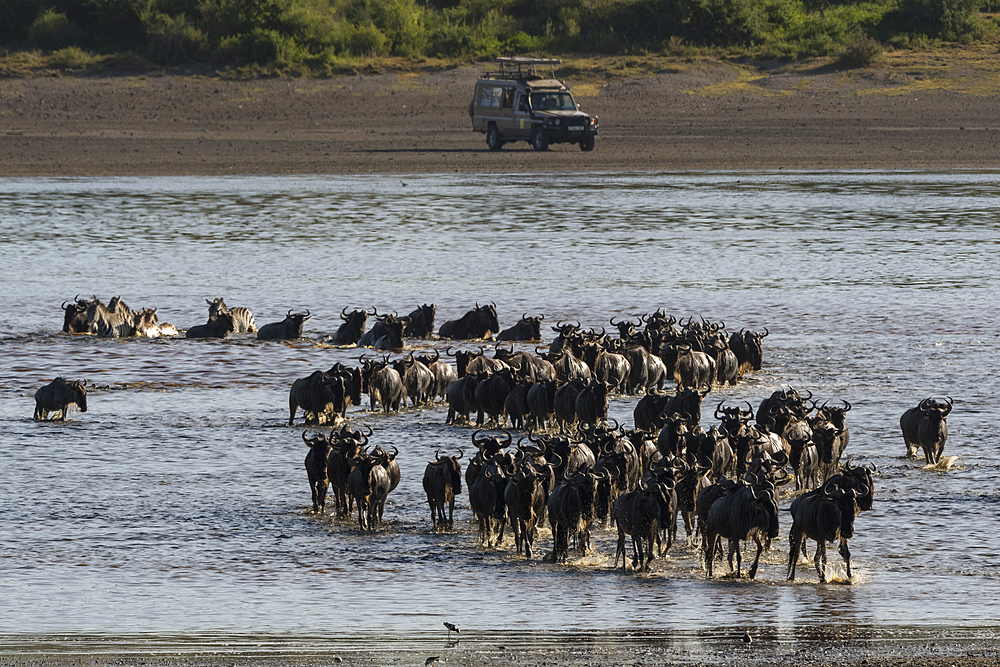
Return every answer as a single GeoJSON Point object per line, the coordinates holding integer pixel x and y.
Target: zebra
{"type": "Point", "coordinates": [116, 320]}
{"type": "Point", "coordinates": [242, 317]}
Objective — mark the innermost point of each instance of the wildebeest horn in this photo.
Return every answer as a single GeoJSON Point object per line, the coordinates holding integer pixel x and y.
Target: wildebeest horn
{"type": "Point", "coordinates": [719, 408]}
{"type": "Point", "coordinates": [289, 313]}
{"type": "Point", "coordinates": [460, 454]}
{"type": "Point", "coordinates": [63, 306]}
{"type": "Point", "coordinates": [510, 437]}
{"type": "Point", "coordinates": [206, 300]}
{"type": "Point", "coordinates": [479, 444]}
{"type": "Point", "coordinates": [612, 321]}
{"type": "Point", "coordinates": [437, 455]}
{"type": "Point", "coordinates": [343, 314]}
{"type": "Point", "coordinates": [308, 314]}
{"type": "Point", "coordinates": [766, 333]}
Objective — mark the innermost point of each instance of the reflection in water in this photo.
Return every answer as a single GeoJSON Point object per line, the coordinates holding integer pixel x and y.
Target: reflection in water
{"type": "Point", "coordinates": [177, 504]}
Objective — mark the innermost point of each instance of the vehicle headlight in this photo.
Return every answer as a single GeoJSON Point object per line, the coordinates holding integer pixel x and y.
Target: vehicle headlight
{"type": "Point", "coordinates": [554, 121]}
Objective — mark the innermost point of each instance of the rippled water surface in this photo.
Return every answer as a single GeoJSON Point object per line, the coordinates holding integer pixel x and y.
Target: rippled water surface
{"type": "Point", "coordinates": [177, 505]}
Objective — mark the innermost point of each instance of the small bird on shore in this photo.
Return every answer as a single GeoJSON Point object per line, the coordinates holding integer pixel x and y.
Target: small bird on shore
{"type": "Point", "coordinates": [429, 662]}
{"type": "Point", "coordinates": [451, 628]}
{"type": "Point", "coordinates": [747, 639]}
{"type": "Point", "coordinates": [337, 660]}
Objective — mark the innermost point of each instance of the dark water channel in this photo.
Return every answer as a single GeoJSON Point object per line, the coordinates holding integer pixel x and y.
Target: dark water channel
{"type": "Point", "coordinates": [176, 507]}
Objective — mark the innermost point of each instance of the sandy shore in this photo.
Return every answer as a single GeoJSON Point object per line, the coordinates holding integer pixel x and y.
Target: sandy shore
{"type": "Point", "coordinates": [581, 655]}
{"type": "Point", "coordinates": [689, 117]}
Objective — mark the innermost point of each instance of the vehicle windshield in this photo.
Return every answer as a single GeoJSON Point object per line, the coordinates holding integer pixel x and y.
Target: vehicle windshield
{"type": "Point", "coordinates": [552, 102]}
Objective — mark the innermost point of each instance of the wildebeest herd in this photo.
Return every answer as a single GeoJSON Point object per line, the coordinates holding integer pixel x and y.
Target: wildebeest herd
{"type": "Point", "coordinates": [569, 466]}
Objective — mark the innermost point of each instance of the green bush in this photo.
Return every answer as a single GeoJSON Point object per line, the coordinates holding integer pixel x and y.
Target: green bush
{"type": "Point", "coordinates": [861, 50]}
{"type": "Point", "coordinates": [173, 41]}
{"type": "Point", "coordinates": [52, 30]}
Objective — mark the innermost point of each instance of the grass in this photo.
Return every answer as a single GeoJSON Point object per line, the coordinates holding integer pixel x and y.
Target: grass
{"type": "Point", "coordinates": [973, 69]}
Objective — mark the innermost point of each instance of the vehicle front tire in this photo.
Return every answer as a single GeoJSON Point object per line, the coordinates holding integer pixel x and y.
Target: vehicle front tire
{"type": "Point", "coordinates": [493, 138]}
{"type": "Point", "coordinates": [587, 143]}
{"type": "Point", "coordinates": [539, 139]}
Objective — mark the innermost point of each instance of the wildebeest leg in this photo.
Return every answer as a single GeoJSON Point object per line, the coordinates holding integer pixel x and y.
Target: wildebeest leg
{"type": "Point", "coordinates": [361, 515]}
{"type": "Point", "coordinates": [756, 560]}
{"type": "Point", "coordinates": [620, 550]}
{"type": "Point", "coordinates": [821, 556]}
{"type": "Point", "coordinates": [794, 545]}
{"type": "Point", "coordinates": [515, 527]}
{"type": "Point", "coordinates": [710, 544]}
{"type": "Point", "coordinates": [845, 553]}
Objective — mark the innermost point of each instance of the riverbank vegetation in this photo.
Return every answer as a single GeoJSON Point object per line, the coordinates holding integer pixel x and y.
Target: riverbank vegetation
{"type": "Point", "coordinates": [323, 37]}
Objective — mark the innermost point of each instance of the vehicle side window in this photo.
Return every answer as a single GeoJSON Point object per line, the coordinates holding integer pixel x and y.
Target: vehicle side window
{"type": "Point", "coordinates": [522, 103]}
{"type": "Point", "coordinates": [490, 96]}
{"type": "Point", "coordinates": [508, 99]}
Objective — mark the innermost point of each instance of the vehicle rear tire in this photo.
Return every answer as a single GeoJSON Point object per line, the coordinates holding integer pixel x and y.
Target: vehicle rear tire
{"type": "Point", "coordinates": [540, 139]}
{"type": "Point", "coordinates": [493, 138]}
{"type": "Point", "coordinates": [587, 143]}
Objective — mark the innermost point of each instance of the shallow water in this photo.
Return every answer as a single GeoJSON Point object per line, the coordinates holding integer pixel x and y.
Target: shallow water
{"type": "Point", "coordinates": [175, 510]}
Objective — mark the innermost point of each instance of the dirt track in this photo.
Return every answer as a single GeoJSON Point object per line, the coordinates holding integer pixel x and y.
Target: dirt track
{"type": "Point", "coordinates": [702, 116]}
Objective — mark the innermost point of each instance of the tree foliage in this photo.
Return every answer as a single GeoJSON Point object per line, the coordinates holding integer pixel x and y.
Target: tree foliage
{"type": "Point", "coordinates": [316, 34]}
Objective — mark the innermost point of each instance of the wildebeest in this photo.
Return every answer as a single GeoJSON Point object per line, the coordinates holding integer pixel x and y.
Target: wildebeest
{"type": "Point", "coordinates": [461, 397]}
{"type": "Point", "coordinates": [524, 496]}
{"type": "Point", "coordinates": [692, 369]}
{"type": "Point", "coordinates": [591, 404]}
{"type": "Point", "coordinates": [747, 513]}
{"type": "Point", "coordinates": [540, 399]}
{"type": "Point", "coordinates": [747, 346]}
{"type": "Point", "coordinates": [491, 395]}
{"type": "Point", "coordinates": [369, 486]}
{"type": "Point", "coordinates": [571, 512]}
{"type": "Point", "coordinates": [320, 395]}
{"type": "Point", "coordinates": [316, 469]}
{"type": "Point", "coordinates": [420, 323]}
{"type": "Point", "coordinates": [219, 326]}
{"type": "Point", "coordinates": [59, 395]}
{"type": "Point", "coordinates": [443, 372]}
{"type": "Point", "coordinates": [926, 426]}
{"type": "Point", "coordinates": [442, 482]}
{"type": "Point", "coordinates": [528, 328]}
{"type": "Point", "coordinates": [350, 332]}
{"type": "Point", "coordinates": [75, 316]}
{"type": "Point", "coordinates": [243, 321]}
{"type": "Point", "coordinates": [486, 499]}
{"type": "Point", "coordinates": [289, 328]}
{"type": "Point", "coordinates": [392, 339]}
{"type": "Point", "coordinates": [383, 384]}
{"type": "Point", "coordinates": [824, 516]}
{"type": "Point", "coordinates": [481, 322]}
{"type": "Point", "coordinates": [639, 513]}
{"type": "Point", "coordinates": [348, 444]}
{"type": "Point", "coordinates": [418, 380]}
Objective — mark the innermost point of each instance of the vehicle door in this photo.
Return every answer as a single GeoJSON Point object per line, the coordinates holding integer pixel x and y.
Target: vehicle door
{"type": "Point", "coordinates": [522, 116]}
{"type": "Point", "coordinates": [506, 123]}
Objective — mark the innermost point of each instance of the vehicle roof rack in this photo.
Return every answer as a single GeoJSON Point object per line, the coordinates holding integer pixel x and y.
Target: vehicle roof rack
{"type": "Point", "coordinates": [519, 68]}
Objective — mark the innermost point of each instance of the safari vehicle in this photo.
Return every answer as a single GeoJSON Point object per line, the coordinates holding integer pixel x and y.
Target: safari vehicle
{"type": "Point", "coordinates": [514, 103]}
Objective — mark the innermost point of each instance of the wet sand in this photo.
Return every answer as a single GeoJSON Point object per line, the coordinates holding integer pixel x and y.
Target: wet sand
{"type": "Point", "coordinates": [694, 116]}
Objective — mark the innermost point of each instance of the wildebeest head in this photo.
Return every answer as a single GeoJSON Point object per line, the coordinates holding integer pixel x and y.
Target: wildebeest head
{"type": "Point", "coordinates": [936, 410]}
{"type": "Point", "coordinates": [78, 390]}
{"type": "Point", "coordinates": [75, 318]}
{"type": "Point", "coordinates": [626, 328]}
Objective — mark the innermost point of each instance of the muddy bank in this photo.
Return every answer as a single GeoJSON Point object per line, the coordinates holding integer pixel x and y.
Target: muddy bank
{"type": "Point", "coordinates": [696, 116]}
